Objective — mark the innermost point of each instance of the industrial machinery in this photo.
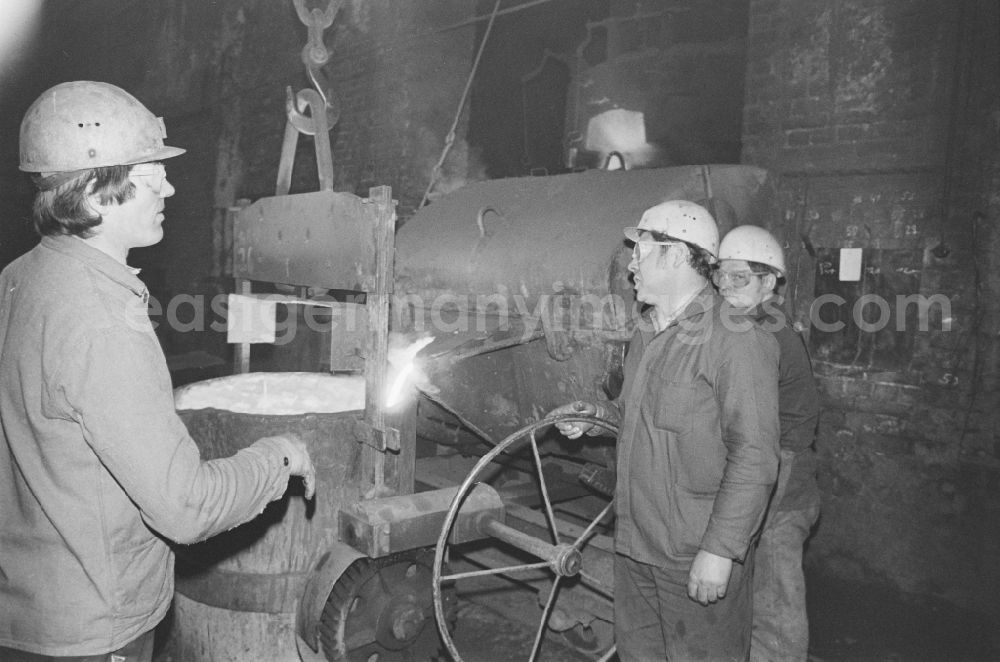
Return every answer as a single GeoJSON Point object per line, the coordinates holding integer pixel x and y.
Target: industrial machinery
{"type": "Point", "coordinates": [520, 290]}
{"type": "Point", "coordinates": [523, 284]}
{"type": "Point", "coordinates": [518, 293]}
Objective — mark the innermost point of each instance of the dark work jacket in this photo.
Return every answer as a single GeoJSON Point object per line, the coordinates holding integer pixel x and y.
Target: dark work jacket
{"type": "Point", "coordinates": [798, 405]}
{"type": "Point", "coordinates": [698, 440]}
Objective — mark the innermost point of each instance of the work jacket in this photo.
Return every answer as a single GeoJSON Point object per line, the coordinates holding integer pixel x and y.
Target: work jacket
{"type": "Point", "coordinates": [698, 441]}
{"type": "Point", "coordinates": [96, 469]}
{"type": "Point", "coordinates": [798, 404]}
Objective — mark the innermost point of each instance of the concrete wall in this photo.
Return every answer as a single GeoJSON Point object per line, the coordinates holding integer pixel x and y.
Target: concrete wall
{"type": "Point", "coordinates": [881, 116]}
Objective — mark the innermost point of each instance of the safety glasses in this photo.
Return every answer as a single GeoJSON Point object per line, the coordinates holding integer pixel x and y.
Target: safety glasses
{"type": "Point", "coordinates": [737, 278]}
{"type": "Point", "coordinates": [647, 240]}
{"type": "Point", "coordinates": [151, 174]}
{"type": "Point", "coordinates": [643, 249]}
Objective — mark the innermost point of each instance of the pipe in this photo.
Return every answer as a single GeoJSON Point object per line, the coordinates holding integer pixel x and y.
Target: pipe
{"type": "Point", "coordinates": [565, 560]}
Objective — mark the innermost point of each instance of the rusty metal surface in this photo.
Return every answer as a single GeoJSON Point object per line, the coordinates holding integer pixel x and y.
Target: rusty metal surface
{"type": "Point", "coordinates": [262, 565]}
{"type": "Point", "coordinates": [378, 438]}
{"type": "Point", "coordinates": [382, 609]}
{"type": "Point", "coordinates": [538, 252]}
{"type": "Point", "coordinates": [379, 527]}
{"type": "Point", "coordinates": [543, 235]}
{"type": "Point", "coordinates": [321, 239]}
{"type": "Point", "coordinates": [502, 391]}
{"type": "Point", "coordinates": [329, 568]}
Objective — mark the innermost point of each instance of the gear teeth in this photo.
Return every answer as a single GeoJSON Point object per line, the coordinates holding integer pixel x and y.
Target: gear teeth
{"type": "Point", "coordinates": [335, 618]}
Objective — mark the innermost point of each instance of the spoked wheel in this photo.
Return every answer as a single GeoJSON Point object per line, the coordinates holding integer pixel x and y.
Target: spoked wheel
{"type": "Point", "coordinates": [561, 558]}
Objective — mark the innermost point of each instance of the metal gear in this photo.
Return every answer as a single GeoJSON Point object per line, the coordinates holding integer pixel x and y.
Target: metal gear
{"type": "Point", "coordinates": [383, 610]}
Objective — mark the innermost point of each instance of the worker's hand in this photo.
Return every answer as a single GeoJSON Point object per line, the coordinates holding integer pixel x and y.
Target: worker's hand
{"type": "Point", "coordinates": [573, 430]}
{"type": "Point", "coordinates": [709, 577]}
{"type": "Point", "coordinates": [298, 461]}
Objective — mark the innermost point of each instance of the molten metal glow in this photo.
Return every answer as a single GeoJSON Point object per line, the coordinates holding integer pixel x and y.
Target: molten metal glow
{"type": "Point", "coordinates": [404, 371]}
{"type": "Point", "coordinates": [622, 131]}
{"type": "Point", "coordinates": [616, 130]}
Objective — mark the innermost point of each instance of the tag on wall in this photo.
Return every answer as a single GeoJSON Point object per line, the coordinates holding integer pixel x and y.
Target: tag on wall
{"type": "Point", "coordinates": [251, 320]}
{"type": "Point", "coordinates": [860, 321]}
{"type": "Point", "coordinates": [850, 264]}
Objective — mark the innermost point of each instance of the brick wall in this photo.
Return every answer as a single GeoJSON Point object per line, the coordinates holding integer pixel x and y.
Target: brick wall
{"type": "Point", "coordinates": [877, 116]}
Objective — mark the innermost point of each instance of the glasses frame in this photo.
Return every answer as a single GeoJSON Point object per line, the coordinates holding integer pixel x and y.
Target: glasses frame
{"type": "Point", "coordinates": [718, 275]}
{"type": "Point", "coordinates": [637, 252]}
{"type": "Point", "coordinates": [659, 239]}
{"type": "Point", "coordinates": [156, 178]}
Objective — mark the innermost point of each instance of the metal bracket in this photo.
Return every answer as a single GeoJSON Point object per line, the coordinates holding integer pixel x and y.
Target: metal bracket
{"type": "Point", "coordinates": [383, 526]}
{"type": "Point", "coordinates": [379, 439]}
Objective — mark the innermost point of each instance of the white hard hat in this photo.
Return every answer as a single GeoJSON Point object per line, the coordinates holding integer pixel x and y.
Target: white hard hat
{"type": "Point", "coordinates": [752, 244]}
{"type": "Point", "coordinates": [680, 219]}
{"type": "Point", "coordinates": [86, 124]}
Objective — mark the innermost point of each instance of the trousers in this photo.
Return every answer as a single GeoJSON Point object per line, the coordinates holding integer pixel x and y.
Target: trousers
{"type": "Point", "coordinates": [139, 649]}
{"type": "Point", "coordinates": [780, 622]}
{"type": "Point", "coordinates": [655, 620]}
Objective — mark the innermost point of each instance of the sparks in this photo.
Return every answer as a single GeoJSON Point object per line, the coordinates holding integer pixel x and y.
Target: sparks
{"type": "Point", "coordinates": [404, 370]}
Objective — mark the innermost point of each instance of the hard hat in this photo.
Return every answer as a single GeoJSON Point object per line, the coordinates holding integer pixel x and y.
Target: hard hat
{"type": "Point", "coordinates": [680, 219]}
{"type": "Point", "coordinates": [753, 244]}
{"type": "Point", "coordinates": [84, 124]}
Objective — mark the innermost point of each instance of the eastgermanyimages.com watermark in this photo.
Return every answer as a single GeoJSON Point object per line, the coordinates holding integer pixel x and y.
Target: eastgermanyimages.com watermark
{"type": "Point", "coordinates": [532, 317]}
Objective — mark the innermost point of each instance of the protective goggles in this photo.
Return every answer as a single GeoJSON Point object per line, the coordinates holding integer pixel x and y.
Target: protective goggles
{"type": "Point", "coordinates": [646, 239]}
{"type": "Point", "coordinates": [152, 174]}
{"type": "Point", "coordinates": [737, 278]}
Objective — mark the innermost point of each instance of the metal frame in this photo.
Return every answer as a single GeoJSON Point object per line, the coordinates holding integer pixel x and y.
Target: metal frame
{"type": "Point", "coordinates": [335, 241]}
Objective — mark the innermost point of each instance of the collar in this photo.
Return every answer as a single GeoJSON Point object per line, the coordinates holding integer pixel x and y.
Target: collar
{"type": "Point", "coordinates": [699, 303]}
{"type": "Point", "coordinates": [81, 251]}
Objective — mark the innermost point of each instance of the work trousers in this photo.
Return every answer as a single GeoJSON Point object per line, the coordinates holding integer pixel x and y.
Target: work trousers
{"type": "Point", "coordinates": [780, 623]}
{"type": "Point", "coordinates": [139, 649]}
{"type": "Point", "coordinates": [655, 620]}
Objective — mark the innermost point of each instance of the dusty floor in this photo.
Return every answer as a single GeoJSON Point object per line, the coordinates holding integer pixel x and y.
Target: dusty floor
{"type": "Point", "coordinates": [868, 624]}
{"type": "Point", "coordinates": [849, 624]}
{"type": "Point", "coordinates": [482, 635]}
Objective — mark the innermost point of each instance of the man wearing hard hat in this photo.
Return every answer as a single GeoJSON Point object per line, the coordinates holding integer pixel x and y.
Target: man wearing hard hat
{"type": "Point", "coordinates": [697, 450]}
{"type": "Point", "coordinates": [97, 471]}
{"type": "Point", "coordinates": [750, 274]}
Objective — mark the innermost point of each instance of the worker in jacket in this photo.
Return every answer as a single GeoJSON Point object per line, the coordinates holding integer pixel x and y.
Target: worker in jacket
{"type": "Point", "coordinates": [97, 472]}
{"type": "Point", "coordinates": [750, 274]}
{"type": "Point", "coordinates": [697, 452]}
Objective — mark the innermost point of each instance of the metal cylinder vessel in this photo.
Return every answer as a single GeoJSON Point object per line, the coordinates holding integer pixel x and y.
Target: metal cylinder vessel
{"type": "Point", "coordinates": [237, 593]}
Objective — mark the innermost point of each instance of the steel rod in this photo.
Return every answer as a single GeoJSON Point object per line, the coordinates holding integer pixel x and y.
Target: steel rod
{"type": "Point", "coordinates": [494, 571]}
{"type": "Point", "coordinates": [545, 619]}
{"type": "Point", "coordinates": [523, 541]}
{"type": "Point", "coordinates": [610, 654]}
{"type": "Point", "coordinates": [545, 490]}
{"type": "Point", "coordinates": [586, 533]}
